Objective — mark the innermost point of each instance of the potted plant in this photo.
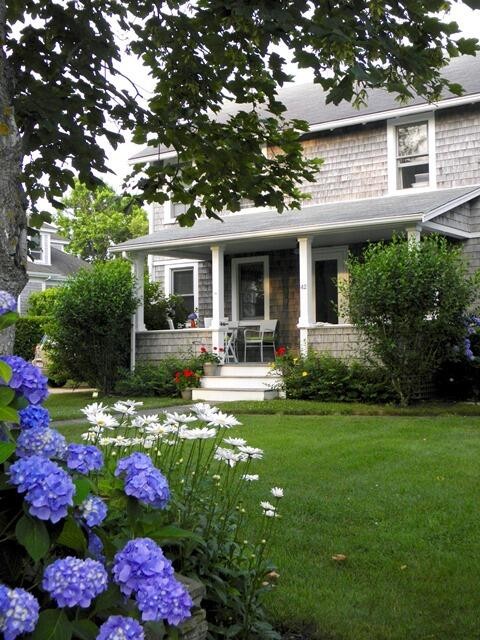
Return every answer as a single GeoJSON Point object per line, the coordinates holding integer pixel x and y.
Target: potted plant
{"type": "Point", "coordinates": [192, 318]}
{"type": "Point", "coordinates": [211, 360]}
{"type": "Point", "coordinates": [186, 380]}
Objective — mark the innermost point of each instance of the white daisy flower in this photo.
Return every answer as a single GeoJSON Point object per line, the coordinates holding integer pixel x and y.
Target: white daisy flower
{"type": "Point", "coordinates": [235, 442]}
{"type": "Point", "coordinates": [277, 492]}
{"type": "Point", "coordinates": [103, 420]}
{"type": "Point", "coordinates": [223, 420]}
{"type": "Point", "coordinates": [270, 514]}
{"type": "Point", "coordinates": [267, 506]}
{"type": "Point", "coordinates": [94, 408]}
{"type": "Point", "coordinates": [89, 436]}
{"type": "Point", "coordinates": [158, 430]}
{"type": "Point", "coordinates": [133, 403]}
{"type": "Point", "coordinates": [124, 408]}
{"type": "Point", "coordinates": [204, 411]}
{"type": "Point", "coordinates": [181, 417]}
{"type": "Point", "coordinates": [228, 456]}
{"type": "Point", "coordinates": [251, 452]}
{"type": "Point", "coordinates": [250, 477]}
{"type": "Point", "coordinates": [197, 434]}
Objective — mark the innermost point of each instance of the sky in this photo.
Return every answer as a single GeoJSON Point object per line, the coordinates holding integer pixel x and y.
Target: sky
{"type": "Point", "coordinates": [468, 20]}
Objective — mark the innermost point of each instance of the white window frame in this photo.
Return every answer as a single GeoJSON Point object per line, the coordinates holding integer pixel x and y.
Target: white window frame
{"type": "Point", "coordinates": [45, 248]}
{"type": "Point", "coordinates": [429, 118]}
{"type": "Point", "coordinates": [168, 217]}
{"type": "Point", "coordinates": [340, 254]}
{"type": "Point", "coordinates": [176, 265]}
{"type": "Point", "coordinates": [236, 262]}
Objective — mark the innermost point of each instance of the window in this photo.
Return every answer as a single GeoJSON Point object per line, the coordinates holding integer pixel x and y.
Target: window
{"type": "Point", "coordinates": [250, 292]}
{"type": "Point", "coordinates": [411, 152]}
{"type": "Point", "coordinates": [173, 210]}
{"type": "Point", "coordinates": [182, 284]}
{"type": "Point", "coordinates": [40, 249]}
{"type": "Point", "coordinates": [329, 269]}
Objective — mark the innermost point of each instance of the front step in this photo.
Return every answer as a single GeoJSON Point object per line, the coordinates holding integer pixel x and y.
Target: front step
{"type": "Point", "coordinates": [239, 382]}
{"type": "Point", "coordinates": [245, 370]}
{"type": "Point", "coordinates": [226, 395]}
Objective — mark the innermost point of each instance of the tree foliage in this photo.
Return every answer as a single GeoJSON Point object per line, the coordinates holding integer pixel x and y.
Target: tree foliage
{"type": "Point", "coordinates": [94, 219]}
{"type": "Point", "coordinates": [91, 319]}
{"type": "Point", "coordinates": [409, 301]}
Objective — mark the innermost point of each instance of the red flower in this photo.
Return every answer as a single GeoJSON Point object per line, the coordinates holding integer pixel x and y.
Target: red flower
{"type": "Point", "coordinates": [203, 350]}
{"type": "Point", "coordinates": [221, 349]}
{"type": "Point", "coordinates": [188, 373]}
{"type": "Point", "coordinates": [281, 351]}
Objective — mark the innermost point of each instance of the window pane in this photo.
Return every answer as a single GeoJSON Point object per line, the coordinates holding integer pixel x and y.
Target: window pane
{"type": "Point", "coordinates": [178, 208]}
{"type": "Point", "coordinates": [326, 293]}
{"type": "Point", "coordinates": [413, 176]}
{"type": "Point", "coordinates": [36, 251]}
{"type": "Point", "coordinates": [251, 291]}
{"type": "Point", "coordinates": [412, 140]}
{"type": "Point", "coordinates": [183, 282]}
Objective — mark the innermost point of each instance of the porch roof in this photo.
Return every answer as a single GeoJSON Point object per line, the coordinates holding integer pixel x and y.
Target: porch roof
{"type": "Point", "coordinates": [396, 211]}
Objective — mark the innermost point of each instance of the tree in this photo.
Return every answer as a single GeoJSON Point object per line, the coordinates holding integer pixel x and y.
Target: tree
{"type": "Point", "coordinates": [95, 219]}
{"type": "Point", "coordinates": [59, 92]}
{"type": "Point", "coordinates": [91, 317]}
{"type": "Point", "coordinates": [409, 301]}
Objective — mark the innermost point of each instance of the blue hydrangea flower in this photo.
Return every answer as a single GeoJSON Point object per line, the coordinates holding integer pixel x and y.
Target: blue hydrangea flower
{"type": "Point", "coordinates": [120, 628]}
{"type": "Point", "coordinates": [49, 489]}
{"type": "Point", "coordinates": [133, 464]}
{"type": "Point", "coordinates": [7, 303]}
{"type": "Point", "coordinates": [164, 599]}
{"type": "Point", "coordinates": [34, 416]}
{"type": "Point", "coordinates": [93, 510]}
{"type": "Point", "coordinates": [468, 350]}
{"type": "Point", "coordinates": [149, 486]}
{"type": "Point", "coordinates": [141, 561]}
{"type": "Point", "coordinates": [41, 441]}
{"type": "Point", "coordinates": [26, 379]}
{"type": "Point", "coordinates": [84, 458]}
{"type": "Point", "coordinates": [72, 582]}
{"type": "Point", "coordinates": [18, 612]}
{"type": "Point", "coordinates": [95, 547]}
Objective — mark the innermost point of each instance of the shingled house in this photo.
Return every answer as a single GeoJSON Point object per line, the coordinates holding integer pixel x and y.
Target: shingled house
{"type": "Point", "coordinates": [387, 168]}
{"type": "Point", "coordinates": [49, 265]}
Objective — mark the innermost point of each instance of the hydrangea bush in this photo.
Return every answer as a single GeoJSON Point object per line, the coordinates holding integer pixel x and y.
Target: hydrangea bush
{"type": "Point", "coordinates": [93, 535]}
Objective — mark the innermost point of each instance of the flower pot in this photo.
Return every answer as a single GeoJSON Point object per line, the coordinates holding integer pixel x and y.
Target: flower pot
{"type": "Point", "coordinates": [186, 394]}
{"type": "Point", "coordinates": [210, 368]}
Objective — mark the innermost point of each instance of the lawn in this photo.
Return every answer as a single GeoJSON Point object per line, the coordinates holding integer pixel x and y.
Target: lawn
{"type": "Point", "coordinates": [67, 406]}
{"type": "Point", "coordinates": [399, 497]}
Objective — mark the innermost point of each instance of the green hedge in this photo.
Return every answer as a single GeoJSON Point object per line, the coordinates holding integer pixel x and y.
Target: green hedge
{"type": "Point", "coordinates": [28, 333]}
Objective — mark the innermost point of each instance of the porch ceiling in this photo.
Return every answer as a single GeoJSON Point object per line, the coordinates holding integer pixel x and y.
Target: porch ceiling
{"type": "Point", "coordinates": [332, 223]}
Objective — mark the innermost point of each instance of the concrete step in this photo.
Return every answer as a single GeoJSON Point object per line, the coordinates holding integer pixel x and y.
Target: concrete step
{"type": "Point", "coordinates": [239, 382]}
{"type": "Point", "coordinates": [245, 370]}
{"type": "Point", "coordinates": [225, 395]}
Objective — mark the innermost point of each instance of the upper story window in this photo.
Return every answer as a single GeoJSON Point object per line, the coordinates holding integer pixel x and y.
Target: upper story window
{"type": "Point", "coordinates": [173, 210]}
{"type": "Point", "coordinates": [411, 153]}
{"type": "Point", "coordinates": [40, 250]}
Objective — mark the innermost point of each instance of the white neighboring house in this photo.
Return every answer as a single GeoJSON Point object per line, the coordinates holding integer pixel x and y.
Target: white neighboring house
{"type": "Point", "coordinates": [49, 265]}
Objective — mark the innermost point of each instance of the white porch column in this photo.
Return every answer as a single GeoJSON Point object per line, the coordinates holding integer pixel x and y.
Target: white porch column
{"type": "Point", "coordinates": [218, 295]}
{"type": "Point", "coordinates": [306, 318]}
{"type": "Point", "coordinates": [413, 234]}
{"type": "Point", "coordinates": [138, 274]}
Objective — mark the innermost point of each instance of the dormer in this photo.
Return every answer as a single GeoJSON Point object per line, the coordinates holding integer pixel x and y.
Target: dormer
{"type": "Point", "coordinates": [44, 239]}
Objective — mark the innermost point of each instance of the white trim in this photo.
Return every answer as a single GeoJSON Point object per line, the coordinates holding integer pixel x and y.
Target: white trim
{"type": "Point", "coordinates": [175, 265]}
{"type": "Point", "coordinates": [451, 204]}
{"type": "Point", "coordinates": [392, 125]}
{"type": "Point", "coordinates": [45, 249]}
{"type": "Point", "coordinates": [266, 285]}
{"type": "Point", "coordinates": [340, 254]}
{"type": "Point", "coordinates": [448, 231]}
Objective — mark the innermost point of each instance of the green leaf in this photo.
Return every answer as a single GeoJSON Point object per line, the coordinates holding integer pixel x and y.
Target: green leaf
{"type": "Point", "coordinates": [5, 371]}
{"type": "Point", "coordinates": [6, 450]}
{"type": "Point", "coordinates": [6, 396]}
{"type": "Point", "coordinates": [72, 536]}
{"type": "Point", "coordinates": [52, 624]}
{"type": "Point", "coordinates": [33, 535]}
{"type": "Point", "coordinates": [171, 532]}
{"type": "Point", "coordinates": [7, 319]}
{"type": "Point", "coordinates": [7, 414]}
{"type": "Point", "coordinates": [84, 629]}
{"type": "Point", "coordinates": [83, 486]}
{"type": "Point", "coordinates": [109, 600]}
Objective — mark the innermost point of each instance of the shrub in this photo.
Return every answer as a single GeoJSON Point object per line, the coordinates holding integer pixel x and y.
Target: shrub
{"type": "Point", "coordinates": [325, 378]}
{"type": "Point", "coordinates": [408, 300]}
{"type": "Point", "coordinates": [154, 379]}
{"type": "Point", "coordinates": [28, 333]}
{"type": "Point", "coordinates": [41, 303]}
{"type": "Point", "coordinates": [92, 322]}
{"type": "Point", "coordinates": [159, 307]}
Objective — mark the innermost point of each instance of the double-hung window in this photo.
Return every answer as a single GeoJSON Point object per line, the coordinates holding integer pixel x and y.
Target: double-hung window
{"type": "Point", "coordinates": [411, 149]}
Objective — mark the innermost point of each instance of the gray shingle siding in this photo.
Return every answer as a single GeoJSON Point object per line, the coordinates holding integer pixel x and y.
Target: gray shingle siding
{"type": "Point", "coordinates": [457, 143]}
{"type": "Point", "coordinates": [32, 286]}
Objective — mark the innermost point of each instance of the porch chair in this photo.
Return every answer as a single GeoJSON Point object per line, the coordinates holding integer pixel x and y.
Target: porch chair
{"type": "Point", "coordinates": [230, 342]}
{"type": "Point", "coordinates": [170, 323]}
{"type": "Point", "coordinates": [263, 337]}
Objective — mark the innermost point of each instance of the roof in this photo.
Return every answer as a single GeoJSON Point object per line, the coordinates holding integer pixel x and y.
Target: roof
{"type": "Point", "coordinates": [403, 208]}
{"type": "Point", "coordinates": [59, 239]}
{"type": "Point", "coordinates": [63, 264]}
{"type": "Point", "coordinates": [307, 102]}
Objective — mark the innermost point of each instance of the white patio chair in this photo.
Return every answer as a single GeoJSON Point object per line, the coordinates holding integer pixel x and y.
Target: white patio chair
{"type": "Point", "coordinates": [230, 342]}
{"type": "Point", "coordinates": [170, 323]}
{"type": "Point", "coordinates": [262, 337]}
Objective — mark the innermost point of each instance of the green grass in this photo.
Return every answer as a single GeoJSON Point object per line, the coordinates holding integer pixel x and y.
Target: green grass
{"type": "Point", "coordinates": [399, 497]}
{"type": "Point", "coordinates": [66, 406]}
{"type": "Point", "coordinates": [313, 408]}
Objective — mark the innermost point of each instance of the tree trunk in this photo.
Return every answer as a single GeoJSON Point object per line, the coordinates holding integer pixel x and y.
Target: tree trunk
{"type": "Point", "coordinates": [13, 219]}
